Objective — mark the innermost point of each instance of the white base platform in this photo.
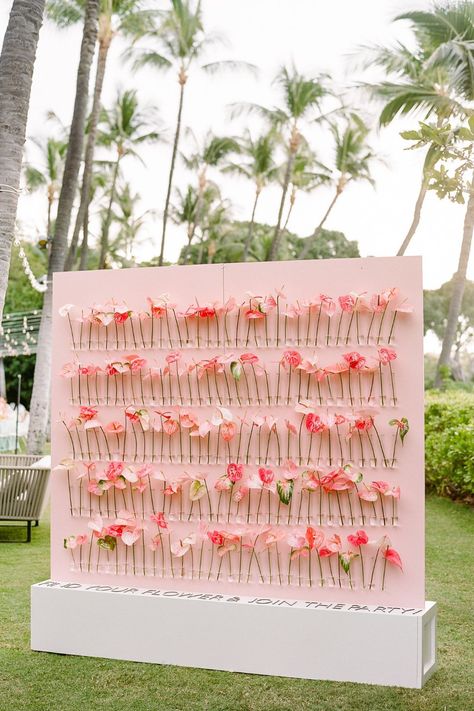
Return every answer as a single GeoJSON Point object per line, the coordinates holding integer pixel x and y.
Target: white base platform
{"type": "Point", "coordinates": [317, 640]}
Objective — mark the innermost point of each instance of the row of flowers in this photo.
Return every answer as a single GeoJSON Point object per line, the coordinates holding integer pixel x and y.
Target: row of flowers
{"type": "Point", "coordinates": [180, 436]}
{"type": "Point", "coordinates": [265, 320]}
{"type": "Point", "coordinates": [246, 553]}
{"type": "Point", "coordinates": [339, 496]}
{"type": "Point", "coordinates": [230, 379]}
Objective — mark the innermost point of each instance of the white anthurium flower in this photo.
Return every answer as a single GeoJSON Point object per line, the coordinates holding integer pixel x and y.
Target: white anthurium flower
{"type": "Point", "coordinates": [64, 310]}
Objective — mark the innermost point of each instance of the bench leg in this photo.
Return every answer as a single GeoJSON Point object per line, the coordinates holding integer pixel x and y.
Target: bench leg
{"type": "Point", "coordinates": [28, 532]}
{"type": "Point", "coordinates": [37, 523]}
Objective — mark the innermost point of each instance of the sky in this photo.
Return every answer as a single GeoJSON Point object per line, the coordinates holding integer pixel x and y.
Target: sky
{"type": "Point", "coordinates": [317, 37]}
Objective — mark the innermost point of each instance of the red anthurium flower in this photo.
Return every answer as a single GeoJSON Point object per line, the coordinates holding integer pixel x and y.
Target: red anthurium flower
{"type": "Point", "coordinates": [216, 537]}
{"type": "Point", "coordinates": [266, 475]}
{"type": "Point", "coordinates": [314, 423]}
{"type": "Point", "coordinates": [391, 555]}
{"type": "Point", "coordinates": [359, 538]}
{"type": "Point", "coordinates": [355, 360]}
{"type": "Point", "coordinates": [87, 413]}
{"type": "Point", "coordinates": [206, 312]}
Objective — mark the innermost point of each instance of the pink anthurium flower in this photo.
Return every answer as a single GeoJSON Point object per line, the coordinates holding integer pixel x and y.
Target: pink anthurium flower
{"type": "Point", "coordinates": [239, 493]}
{"type": "Point", "coordinates": [347, 302]}
{"type": "Point", "coordinates": [291, 359]}
{"type": "Point", "coordinates": [159, 519]}
{"type": "Point", "coordinates": [69, 370]}
{"type": "Point", "coordinates": [328, 305]}
{"type": "Point", "coordinates": [235, 472]}
{"type": "Point", "coordinates": [114, 427]}
{"type": "Point", "coordinates": [310, 480]}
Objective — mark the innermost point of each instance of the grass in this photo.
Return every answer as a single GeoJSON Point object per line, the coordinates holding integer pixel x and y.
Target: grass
{"type": "Point", "coordinates": [32, 680]}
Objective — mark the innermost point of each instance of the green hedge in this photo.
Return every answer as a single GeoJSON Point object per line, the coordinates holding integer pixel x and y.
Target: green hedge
{"type": "Point", "coordinates": [449, 443]}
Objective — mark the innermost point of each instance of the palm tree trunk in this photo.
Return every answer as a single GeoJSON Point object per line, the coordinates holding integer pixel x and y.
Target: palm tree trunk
{"type": "Point", "coordinates": [16, 72]}
{"type": "Point", "coordinates": [182, 82]}
{"type": "Point", "coordinates": [104, 240]}
{"type": "Point", "coordinates": [40, 398]}
{"type": "Point", "coordinates": [89, 152]}
{"type": "Point", "coordinates": [290, 210]}
{"type": "Point", "coordinates": [275, 245]}
{"type": "Point", "coordinates": [85, 242]}
{"type": "Point", "coordinates": [48, 223]}
{"type": "Point", "coordinates": [459, 283]}
{"type": "Point", "coordinates": [248, 241]}
{"type": "Point", "coordinates": [416, 217]}
{"type": "Point", "coordinates": [187, 247]}
{"type": "Point", "coordinates": [312, 239]}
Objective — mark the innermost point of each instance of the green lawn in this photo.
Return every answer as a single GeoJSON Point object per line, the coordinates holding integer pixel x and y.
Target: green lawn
{"type": "Point", "coordinates": [36, 681]}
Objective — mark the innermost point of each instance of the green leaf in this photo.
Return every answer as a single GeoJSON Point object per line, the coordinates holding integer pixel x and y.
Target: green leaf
{"type": "Point", "coordinates": [236, 369]}
{"type": "Point", "coordinates": [345, 564]}
{"type": "Point", "coordinates": [471, 122]}
{"type": "Point", "coordinates": [410, 135]}
{"type": "Point", "coordinates": [392, 422]}
{"type": "Point", "coordinates": [108, 543]}
{"type": "Point", "coordinates": [285, 490]}
{"type": "Point", "coordinates": [465, 134]}
{"type": "Point", "coordinates": [404, 431]}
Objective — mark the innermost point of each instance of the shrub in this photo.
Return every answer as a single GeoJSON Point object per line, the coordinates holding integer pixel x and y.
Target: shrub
{"type": "Point", "coordinates": [449, 443]}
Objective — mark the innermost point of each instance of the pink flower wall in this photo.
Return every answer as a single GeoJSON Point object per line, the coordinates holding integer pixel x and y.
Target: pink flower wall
{"type": "Point", "coordinates": [255, 429]}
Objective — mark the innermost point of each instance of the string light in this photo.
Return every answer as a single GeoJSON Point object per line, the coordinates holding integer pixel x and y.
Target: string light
{"type": "Point", "coordinates": [35, 283]}
{"type": "Point", "coordinates": [19, 333]}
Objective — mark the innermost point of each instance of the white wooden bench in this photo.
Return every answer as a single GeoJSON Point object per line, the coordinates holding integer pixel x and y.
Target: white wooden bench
{"type": "Point", "coordinates": [23, 488]}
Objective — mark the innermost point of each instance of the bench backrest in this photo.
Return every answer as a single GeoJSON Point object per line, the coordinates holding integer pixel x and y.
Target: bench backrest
{"type": "Point", "coordinates": [22, 490]}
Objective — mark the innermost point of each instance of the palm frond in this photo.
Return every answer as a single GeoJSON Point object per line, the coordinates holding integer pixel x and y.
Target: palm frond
{"type": "Point", "coordinates": [230, 65]}
{"type": "Point", "coordinates": [65, 13]}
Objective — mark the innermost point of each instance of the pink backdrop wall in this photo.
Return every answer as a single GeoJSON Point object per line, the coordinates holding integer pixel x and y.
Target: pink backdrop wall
{"type": "Point", "coordinates": [341, 513]}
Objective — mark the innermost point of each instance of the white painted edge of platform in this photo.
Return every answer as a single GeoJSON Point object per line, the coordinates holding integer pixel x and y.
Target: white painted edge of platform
{"type": "Point", "coordinates": [309, 640]}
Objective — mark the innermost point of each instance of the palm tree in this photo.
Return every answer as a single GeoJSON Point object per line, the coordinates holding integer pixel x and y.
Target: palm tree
{"type": "Point", "coordinates": [419, 82]}
{"type": "Point", "coordinates": [259, 167]}
{"type": "Point", "coordinates": [307, 174]}
{"type": "Point", "coordinates": [126, 127]}
{"type": "Point", "coordinates": [39, 407]}
{"type": "Point", "coordinates": [129, 224]}
{"type": "Point", "coordinates": [49, 176]}
{"type": "Point", "coordinates": [117, 17]}
{"type": "Point", "coordinates": [301, 96]}
{"type": "Point", "coordinates": [99, 183]}
{"type": "Point", "coordinates": [215, 219]}
{"type": "Point", "coordinates": [449, 32]}
{"type": "Point", "coordinates": [17, 60]}
{"type": "Point", "coordinates": [181, 42]}
{"type": "Point", "coordinates": [201, 213]}
{"type": "Point", "coordinates": [353, 158]}
{"type": "Point", "coordinates": [183, 212]}
{"type": "Point", "coordinates": [212, 153]}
